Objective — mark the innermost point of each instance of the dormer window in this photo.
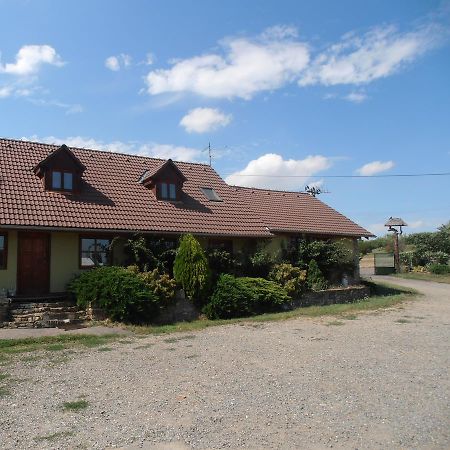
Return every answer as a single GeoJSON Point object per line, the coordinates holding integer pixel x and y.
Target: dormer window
{"type": "Point", "coordinates": [61, 171]}
{"type": "Point", "coordinates": [62, 181]}
{"type": "Point", "coordinates": [168, 191]}
{"type": "Point", "coordinates": [166, 181]}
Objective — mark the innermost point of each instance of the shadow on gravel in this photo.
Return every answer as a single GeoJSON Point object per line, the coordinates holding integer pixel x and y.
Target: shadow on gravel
{"type": "Point", "coordinates": [383, 289]}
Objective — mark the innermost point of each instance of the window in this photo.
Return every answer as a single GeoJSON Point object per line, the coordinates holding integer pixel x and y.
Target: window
{"type": "Point", "coordinates": [172, 191]}
{"type": "Point", "coordinates": [211, 195]}
{"type": "Point", "coordinates": [3, 251]}
{"type": "Point", "coordinates": [62, 181]}
{"type": "Point", "coordinates": [68, 181]}
{"type": "Point", "coordinates": [94, 252]}
{"type": "Point", "coordinates": [56, 180]}
{"type": "Point", "coordinates": [221, 244]}
{"type": "Point", "coordinates": [168, 191]}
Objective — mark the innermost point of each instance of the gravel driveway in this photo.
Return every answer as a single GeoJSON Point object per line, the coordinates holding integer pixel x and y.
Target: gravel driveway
{"type": "Point", "coordinates": [378, 381]}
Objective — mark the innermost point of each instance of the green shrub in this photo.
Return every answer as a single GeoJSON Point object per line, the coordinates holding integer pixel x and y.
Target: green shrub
{"type": "Point", "coordinates": [121, 293]}
{"type": "Point", "coordinates": [332, 257]}
{"type": "Point", "coordinates": [161, 284]}
{"type": "Point", "coordinates": [439, 269]}
{"type": "Point", "coordinates": [150, 252]}
{"type": "Point", "coordinates": [220, 261]}
{"type": "Point", "coordinates": [191, 268]}
{"type": "Point", "coordinates": [315, 278]}
{"type": "Point", "coordinates": [261, 264]}
{"type": "Point", "coordinates": [239, 297]}
{"type": "Point", "coordinates": [292, 279]}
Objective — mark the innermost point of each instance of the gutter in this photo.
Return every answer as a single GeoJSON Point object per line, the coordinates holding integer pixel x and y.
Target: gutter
{"type": "Point", "coordinates": [122, 231]}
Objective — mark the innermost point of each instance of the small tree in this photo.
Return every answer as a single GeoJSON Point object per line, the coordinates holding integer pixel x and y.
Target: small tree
{"type": "Point", "coordinates": [191, 268]}
{"type": "Point", "coordinates": [315, 278]}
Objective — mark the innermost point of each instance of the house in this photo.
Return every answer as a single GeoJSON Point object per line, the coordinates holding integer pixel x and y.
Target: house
{"type": "Point", "coordinates": [60, 208]}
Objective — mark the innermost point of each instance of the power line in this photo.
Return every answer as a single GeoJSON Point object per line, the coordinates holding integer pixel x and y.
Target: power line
{"type": "Point", "coordinates": [441, 174]}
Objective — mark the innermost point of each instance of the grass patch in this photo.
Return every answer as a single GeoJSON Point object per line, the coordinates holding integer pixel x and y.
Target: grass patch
{"type": "Point", "coordinates": [15, 346]}
{"type": "Point", "coordinates": [55, 436]}
{"type": "Point", "coordinates": [55, 347]}
{"type": "Point", "coordinates": [445, 278]}
{"type": "Point", "coordinates": [403, 321]}
{"type": "Point", "coordinates": [77, 405]}
{"type": "Point", "coordinates": [179, 338]}
{"type": "Point", "coordinates": [335, 323]}
{"type": "Point", "coordinates": [3, 376]}
{"type": "Point", "coordinates": [3, 391]}
{"type": "Point", "coordinates": [145, 346]}
{"type": "Point", "coordinates": [349, 316]}
{"type": "Point", "coordinates": [105, 349]}
{"type": "Point", "coordinates": [387, 296]}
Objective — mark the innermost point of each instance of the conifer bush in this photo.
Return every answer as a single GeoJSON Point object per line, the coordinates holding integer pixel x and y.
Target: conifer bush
{"type": "Point", "coordinates": [191, 269]}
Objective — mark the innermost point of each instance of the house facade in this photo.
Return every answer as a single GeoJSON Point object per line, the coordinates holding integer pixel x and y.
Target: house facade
{"type": "Point", "coordinates": [60, 209]}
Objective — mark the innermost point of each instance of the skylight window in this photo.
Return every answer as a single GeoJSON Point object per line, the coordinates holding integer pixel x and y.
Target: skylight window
{"type": "Point", "coordinates": [211, 195]}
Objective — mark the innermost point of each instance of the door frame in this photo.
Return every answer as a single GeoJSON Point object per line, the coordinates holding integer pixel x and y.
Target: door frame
{"type": "Point", "coordinates": [22, 234]}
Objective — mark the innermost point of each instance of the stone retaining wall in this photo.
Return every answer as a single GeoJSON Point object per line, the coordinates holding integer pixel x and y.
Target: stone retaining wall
{"type": "Point", "coordinates": [180, 310]}
{"type": "Point", "coordinates": [332, 296]}
{"type": "Point", "coordinates": [4, 310]}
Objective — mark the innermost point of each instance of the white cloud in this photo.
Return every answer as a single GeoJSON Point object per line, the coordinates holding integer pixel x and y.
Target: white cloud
{"type": "Point", "coordinates": [115, 63]}
{"type": "Point", "coordinates": [69, 108]}
{"type": "Point", "coordinates": [6, 91]}
{"type": "Point", "coordinates": [272, 171]}
{"type": "Point", "coordinates": [30, 58]}
{"type": "Point", "coordinates": [378, 53]}
{"type": "Point", "coordinates": [356, 97]}
{"type": "Point", "coordinates": [202, 120]}
{"type": "Point", "coordinates": [151, 149]}
{"type": "Point", "coordinates": [377, 228]}
{"type": "Point", "coordinates": [243, 68]}
{"type": "Point", "coordinates": [417, 224]}
{"type": "Point", "coordinates": [375, 167]}
{"type": "Point", "coordinates": [149, 59]}
{"type": "Point", "coordinates": [112, 63]}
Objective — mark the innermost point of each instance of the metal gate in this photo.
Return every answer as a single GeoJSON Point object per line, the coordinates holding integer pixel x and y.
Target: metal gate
{"type": "Point", "coordinates": [377, 264]}
{"type": "Point", "coordinates": [384, 263]}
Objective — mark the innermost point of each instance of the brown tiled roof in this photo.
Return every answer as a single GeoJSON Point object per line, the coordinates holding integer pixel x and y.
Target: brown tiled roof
{"type": "Point", "coordinates": [298, 212]}
{"type": "Point", "coordinates": [111, 198]}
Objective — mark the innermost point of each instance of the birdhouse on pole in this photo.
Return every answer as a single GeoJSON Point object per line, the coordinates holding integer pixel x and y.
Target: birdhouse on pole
{"type": "Point", "coordinates": [395, 225]}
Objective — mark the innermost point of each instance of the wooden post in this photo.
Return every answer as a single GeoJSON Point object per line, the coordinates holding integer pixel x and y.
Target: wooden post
{"type": "Point", "coordinates": [396, 253]}
{"type": "Point", "coordinates": [356, 274]}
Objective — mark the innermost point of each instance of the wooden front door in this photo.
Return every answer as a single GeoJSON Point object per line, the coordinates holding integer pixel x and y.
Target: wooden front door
{"type": "Point", "coordinates": [33, 265]}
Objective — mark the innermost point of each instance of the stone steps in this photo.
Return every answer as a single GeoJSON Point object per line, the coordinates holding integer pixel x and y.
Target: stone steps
{"type": "Point", "coordinates": [44, 314]}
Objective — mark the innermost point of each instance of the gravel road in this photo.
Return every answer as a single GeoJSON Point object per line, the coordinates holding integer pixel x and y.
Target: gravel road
{"type": "Point", "coordinates": [375, 382]}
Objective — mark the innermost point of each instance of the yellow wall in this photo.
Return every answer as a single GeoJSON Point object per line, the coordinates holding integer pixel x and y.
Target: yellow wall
{"type": "Point", "coordinates": [8, 277]}
{"type": "Point", "coordinates": [64, 259]}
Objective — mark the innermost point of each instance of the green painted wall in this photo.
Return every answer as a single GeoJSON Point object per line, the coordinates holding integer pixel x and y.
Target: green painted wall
{"type": "Point", "coordinates": [8, 277]}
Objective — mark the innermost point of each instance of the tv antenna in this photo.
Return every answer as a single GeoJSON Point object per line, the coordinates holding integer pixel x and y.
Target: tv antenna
{"type": "Point", "coordinates": [314, 190]}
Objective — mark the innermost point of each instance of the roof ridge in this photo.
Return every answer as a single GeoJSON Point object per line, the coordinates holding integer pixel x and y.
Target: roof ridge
{"type": "Point", "coordinates": [103, 151]}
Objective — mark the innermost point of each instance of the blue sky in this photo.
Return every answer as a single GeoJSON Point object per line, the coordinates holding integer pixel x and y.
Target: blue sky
{"type": "Point", "coordinates": [279, 88]}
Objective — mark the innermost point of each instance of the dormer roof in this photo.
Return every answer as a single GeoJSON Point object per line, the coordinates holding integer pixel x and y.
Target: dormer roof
{"type": "Point", "coordinates": [61, 155]}
{"type": "Point", "coordinates": [160, 170]}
